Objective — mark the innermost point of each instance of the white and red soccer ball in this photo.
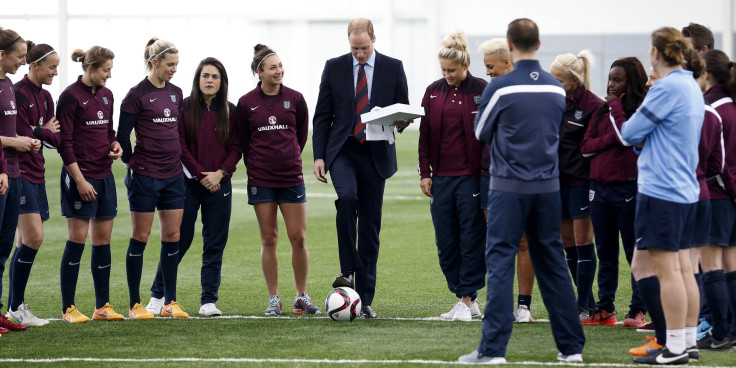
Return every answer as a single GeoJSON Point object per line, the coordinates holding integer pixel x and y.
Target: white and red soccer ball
{"type": "Point", "coordinates": [343, 304]}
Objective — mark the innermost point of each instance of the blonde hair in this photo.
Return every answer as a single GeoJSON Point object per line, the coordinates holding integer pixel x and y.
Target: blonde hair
{"type": "Point", "coordinates": [157, 49]}
{"type": "Point", "coordinates": [498, 46]}
{"type": "Point", "coordinates": [455, 48]}
{"type": "Point", "coordinates": [577, 66]}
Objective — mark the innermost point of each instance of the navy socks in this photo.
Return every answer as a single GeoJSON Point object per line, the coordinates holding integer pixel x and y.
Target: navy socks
{"type": "Point", "coordinates": [169, 266]}
{"type": "Point", "coordinates": [731, 286]}
{"type": "Point", "coordinates": [571, 256]}
{"type": "Point", "coordinates": [133, 269]}
{"type": "Point", "coordinates": [20, 271]}
{"type": "Point", "coordinates": [585, 275]}
{"type": "Point", "coordinates": [70, 272]}
{"type": "Point", "coordinates": [650, 294]}
{"type": "Point", "coordinates": [101, 264]}
{"type": "Point", "coordinates": [524, 300]}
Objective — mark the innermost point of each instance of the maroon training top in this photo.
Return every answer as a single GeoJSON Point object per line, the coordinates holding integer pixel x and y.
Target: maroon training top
{"type": "Point", "coordinates": [8, 115]}
{"type": "Point", "coordinates": [574, 168]}
{"type": "Point", "coordinates": [612, 160]}
{"type": "Point", "coordinates": [85, 121]}
{"type": "Point", "coordinates": [35, 107]}
{"type": "Point", "coordinates": [157, 149]}
{"type": "Point", "coordinates": [724, 186]}
{"type": "Point", "coordinates": [206, 154]}
{"type": "Point", "coordinates": [274, 132]}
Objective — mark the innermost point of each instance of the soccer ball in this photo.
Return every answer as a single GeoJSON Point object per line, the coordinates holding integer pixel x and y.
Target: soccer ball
{"type": "Point", "coordinates": [343, 304]}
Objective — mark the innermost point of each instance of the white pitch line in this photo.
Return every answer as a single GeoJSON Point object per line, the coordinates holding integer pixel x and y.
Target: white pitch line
{"type": "Point", "coordinates": [428, 319]}
{"type": "Point", "coordinates": [334, 196]}
{"type": "Point", "coordinates": [312, 361]}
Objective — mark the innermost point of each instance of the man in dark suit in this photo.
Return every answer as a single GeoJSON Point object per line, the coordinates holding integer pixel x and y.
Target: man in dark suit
{"type": "Point", "coordinates": [353, 84]}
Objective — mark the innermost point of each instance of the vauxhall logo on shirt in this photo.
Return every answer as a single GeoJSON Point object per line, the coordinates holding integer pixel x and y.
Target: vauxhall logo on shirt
{"type": "Point", "coordinates": [101, 121]}
{"type": "Point", "coordinates": [167, 117]}
{"type": "Point", "coordinates": [272, 125]}
{"type": "Point", "coordinates": [12, 110]}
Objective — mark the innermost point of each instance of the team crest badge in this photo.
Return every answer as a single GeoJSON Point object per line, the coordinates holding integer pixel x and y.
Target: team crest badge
{"type": "Point", "coordinates": [167, 113]}
{"type": "Point", "coordinates": [12, 105]}
{"type": "Point", "coordinates": [104, 99]}
{"type": "Point", "coordinates": [591, 195]}
{"type": "Point", "coordinates": [77, 205]}
{"type": "Point", "coordinates": [578, 114]}
{"type": "Point", "coordinates": [272, 120]}
{"type": "Point", "coordinates": [100, 115]}
{"type": "Point", "coordinates": [476, 99]}
{"type": "Point", "coordinates": [534, 75]}
{"type": "Point", "coordinates": [173, 98]}
{"type": "Point", "coordinates": [22, 200]}
{"type": "Point", "coordinates": [253, 190]}
{"type": "Point", "coordinates": [287, 105]}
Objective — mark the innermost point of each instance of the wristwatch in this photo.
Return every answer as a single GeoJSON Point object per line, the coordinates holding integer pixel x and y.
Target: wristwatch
{"type": "Point", "coordinates": [225, 172]}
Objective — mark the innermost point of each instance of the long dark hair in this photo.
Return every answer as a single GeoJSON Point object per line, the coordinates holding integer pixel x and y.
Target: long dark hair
{"type": "Point", "coordinates": [718, 64]}
{"type": "Point", "coordinates": [636, 88]}
{"type": "Point", "coordinates": [219, 103]}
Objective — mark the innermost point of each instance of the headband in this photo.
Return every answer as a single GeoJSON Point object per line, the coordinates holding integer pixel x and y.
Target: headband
{"type": "Point", "coordinates": [258, 67]}
{"type": "Point", "coordinates": [44, 56]}
{"type": "Point", "coordinates": [157, 55]}
{"type": "Point", "coordinates": [11, 42]}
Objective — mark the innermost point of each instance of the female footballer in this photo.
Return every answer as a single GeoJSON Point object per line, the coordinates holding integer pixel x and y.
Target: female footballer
{"type": "Point", "coordinates": [667, 127]}
{"type": "Point", "coordinates": [274, 122]}
{"type": "Point", "coordinates": [88, 196]}
{"type": "Point", "coordinates": [573, 71]}
{"type": "Point", "coordinates": [12, 56]}
{"type": "Point", "coordinates": [450, 168]}
{"type": "Point", "coordinates": [210, 150]}
{"type": "Point", "coordinates": [155, 179]}
{"type": "Point", "coordinates": [36, 119]}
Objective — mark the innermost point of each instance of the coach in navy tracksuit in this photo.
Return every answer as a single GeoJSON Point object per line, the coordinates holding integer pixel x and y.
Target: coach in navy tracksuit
{"type": "Point", "coordinates": [449, 165]}
{"type": "Point", "coordinates": [519, 115]}
{"type": "Point", "coordinates": [359, 168]}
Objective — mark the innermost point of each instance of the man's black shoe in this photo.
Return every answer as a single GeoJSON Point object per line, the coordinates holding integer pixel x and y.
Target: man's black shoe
{"type": "Point", "coordinates": [367, 312]}
{"type": "Point", "coordinates": [344, 280]}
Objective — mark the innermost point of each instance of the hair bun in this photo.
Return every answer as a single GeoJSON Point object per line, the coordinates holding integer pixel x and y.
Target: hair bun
{"type": "Point", "coordinates": [456, 40]}
{"type": "Point", "coordinates": [258, 47]}
{"type": "Point", "coordinates": [152, 41]}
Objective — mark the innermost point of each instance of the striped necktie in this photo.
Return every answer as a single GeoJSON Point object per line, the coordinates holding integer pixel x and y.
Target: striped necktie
{"type": "Point", "coordinates": [361, 104]}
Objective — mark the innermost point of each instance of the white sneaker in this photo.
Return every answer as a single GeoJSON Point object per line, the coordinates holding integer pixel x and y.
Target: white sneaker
{"type": "Point", "coordinates": [475, 358]}
{"type": "Point", "coordinates": [209, 309]}
{"type": "Point", "coordinates": [462, 313]}
{"type": "Point", "coordinates": [448, 315]}
{"type": "Point", "coordinates": [572, 358]}
{"type": "Point", "coordinates": [23, 316]}
{"type": "Point", "coordinates": [154, 305]}
{"type": "Point", "coordinates": [474, 310]}
{"type": "Point", "coordinates": [523, 315]}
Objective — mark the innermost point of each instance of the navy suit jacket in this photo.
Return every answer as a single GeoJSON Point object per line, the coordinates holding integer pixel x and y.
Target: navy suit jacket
{"type": "Point", "coordinates": [334, 116]}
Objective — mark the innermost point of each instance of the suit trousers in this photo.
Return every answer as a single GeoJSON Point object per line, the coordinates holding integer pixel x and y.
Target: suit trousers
{"type": "Point", "coordinates": [539, 216]}
{"type": "Point", "coordinates": [216, 208]}
{"type": "Point", "coordinates": [359, 207]}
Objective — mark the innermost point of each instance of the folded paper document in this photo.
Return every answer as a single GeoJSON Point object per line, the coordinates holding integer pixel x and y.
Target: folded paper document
{"type": "Point", "coordinates": [387, 115]}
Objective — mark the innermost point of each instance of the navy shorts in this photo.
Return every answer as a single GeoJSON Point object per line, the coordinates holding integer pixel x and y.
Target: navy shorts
{"type": "Point", "coordinates": [146, 194]}
{"type": "Point", "coordinates": [33, 199]}
{"type": "Point", "coordinates": [701, 226]}
{"type": "Point", "coordinates": [663, 224]}
{"type": "Point", "coordinates": [485, 183]}
{"type": "Point", "coordinates": [575, 201]}
{"type": "Point", "coordinates": [723, 222]}
{"type": "Point", "coordinates": [296, 194]}
{"type": "Point", "coordinates": [103, 207]}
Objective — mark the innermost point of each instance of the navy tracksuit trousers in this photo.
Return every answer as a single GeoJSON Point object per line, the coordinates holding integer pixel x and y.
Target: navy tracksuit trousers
{"type": "Point", "coordinates": [539, 216]}
{"type": "Point", "coordinates": [216, 208]}
{"type": "Point", "coordinates": [459, 232]}
{"type": "Point", "coordinates": [612, 210]}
